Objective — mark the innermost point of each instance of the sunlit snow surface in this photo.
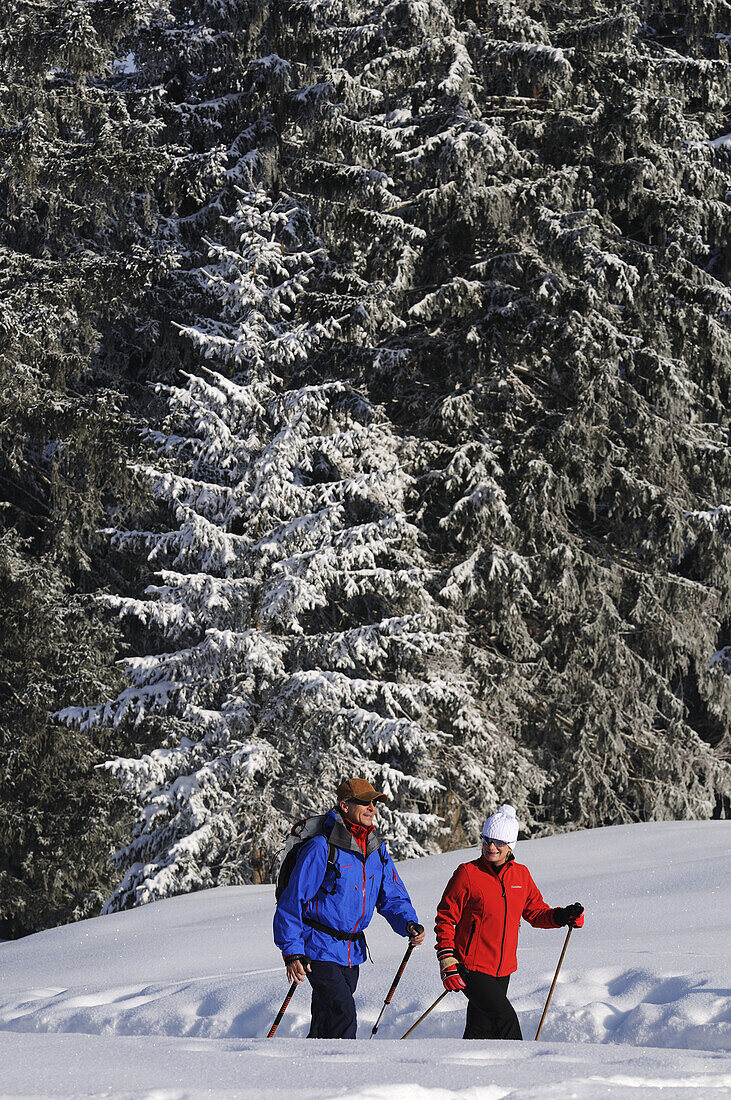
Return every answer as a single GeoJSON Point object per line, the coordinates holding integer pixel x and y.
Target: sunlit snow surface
{"type": "Point", "coordinates": [173, 1000]}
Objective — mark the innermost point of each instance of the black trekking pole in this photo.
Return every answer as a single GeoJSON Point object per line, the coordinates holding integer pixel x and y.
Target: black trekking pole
{"type": "Point", "coordinates": [283, 1009]}
{"type": "Point", "coordinates": [555, 979]}
{"type": "Point", "coordinates": [425, 1014]}
{"type": "Point", "coordinates": [392, 990]}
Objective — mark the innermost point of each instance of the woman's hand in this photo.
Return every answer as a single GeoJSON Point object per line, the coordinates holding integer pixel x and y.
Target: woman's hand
{"type": "Point", "coordinates": [572, 915]}
{"type": "Point", "coordinates": [448, 968]}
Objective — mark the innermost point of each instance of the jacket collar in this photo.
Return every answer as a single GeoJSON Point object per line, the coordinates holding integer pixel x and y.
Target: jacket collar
{"type": "Point", "coordinates": [341, 837]}
{"type": "Point", "coordinates": [489, 867]}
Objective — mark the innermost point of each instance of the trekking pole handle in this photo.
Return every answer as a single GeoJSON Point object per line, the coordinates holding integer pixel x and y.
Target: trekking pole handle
{"type": "Point", "coordinates": [425, 1014]}
{"type": "Point", "coordinates": [392, 990]}
{"type": "Point", "coordinates": [283, 1009]}
{"type": "Point", "coordinates": [555, 979]}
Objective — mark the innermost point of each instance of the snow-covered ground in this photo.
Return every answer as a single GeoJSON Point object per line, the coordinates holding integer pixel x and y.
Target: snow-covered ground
{"type": "Point", "coordinates": [172, 1001]}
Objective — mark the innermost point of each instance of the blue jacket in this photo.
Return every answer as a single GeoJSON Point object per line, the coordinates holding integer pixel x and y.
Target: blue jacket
{"type": "Point", "coordinates": [345, 903]}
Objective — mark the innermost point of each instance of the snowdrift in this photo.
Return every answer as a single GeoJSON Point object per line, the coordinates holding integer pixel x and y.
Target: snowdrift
{"type": "Point", "coordinates": [177, 996]}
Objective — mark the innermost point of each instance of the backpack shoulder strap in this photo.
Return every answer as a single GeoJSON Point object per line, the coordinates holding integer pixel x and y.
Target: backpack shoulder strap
{"type": "Point", "coordinates": [332, 863]}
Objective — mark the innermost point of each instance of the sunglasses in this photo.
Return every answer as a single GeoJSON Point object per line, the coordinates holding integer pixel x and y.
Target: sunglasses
{"type": "Point", "coordinates": [363, 801]}
{"type": "Point", "coordinates": [497, 843]}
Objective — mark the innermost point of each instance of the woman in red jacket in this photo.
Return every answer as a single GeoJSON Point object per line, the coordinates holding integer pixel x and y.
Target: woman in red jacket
{"type": "Point", "coordinates": [477, 928]}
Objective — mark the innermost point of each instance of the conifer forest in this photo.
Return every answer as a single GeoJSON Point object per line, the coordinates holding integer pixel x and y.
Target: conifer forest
{"type": "Point", "coordinates": [366, 389]}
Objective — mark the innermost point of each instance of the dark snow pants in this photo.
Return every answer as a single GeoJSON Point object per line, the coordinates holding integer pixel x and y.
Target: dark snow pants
{"type": "Point", "coordinates": [333, 1007]}
{"type": "Point", "coordinates": [490, 1014]}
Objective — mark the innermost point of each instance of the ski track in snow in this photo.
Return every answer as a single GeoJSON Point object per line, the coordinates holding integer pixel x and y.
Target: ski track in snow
{"type": "Point", "coordinates": [171, 1001]}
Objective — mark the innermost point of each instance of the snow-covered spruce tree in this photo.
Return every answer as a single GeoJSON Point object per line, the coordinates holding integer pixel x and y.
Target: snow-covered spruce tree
{"type": "Point", "coordinates": [524, 220]}
{"type": "Point", "coordinates": [596, 380]}
{"type": "Point", "coordinates": [77, 225]}
{"type": "Point", "coordinates": [79, 160]}
{"type": "Point", "coordinates": [553, 321]}
{"type": "Point", "coordinates": [220, 90]}
{"type": "Point", "coordinates": [292, 586]}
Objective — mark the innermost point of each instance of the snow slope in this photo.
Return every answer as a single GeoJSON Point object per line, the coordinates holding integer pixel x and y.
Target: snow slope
{"type": "Point", "coordinates": [171, 1001]}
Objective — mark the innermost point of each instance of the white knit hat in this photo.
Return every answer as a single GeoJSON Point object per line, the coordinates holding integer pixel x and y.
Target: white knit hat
{"type": "Point", "coordinates": [502, 826]}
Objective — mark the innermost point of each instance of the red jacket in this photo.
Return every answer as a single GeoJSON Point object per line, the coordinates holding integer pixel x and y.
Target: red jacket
{"type": "Point", "coordinates": [479, 915]}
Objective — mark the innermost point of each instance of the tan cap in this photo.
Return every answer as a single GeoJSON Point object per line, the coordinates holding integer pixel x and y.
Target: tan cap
{"type": "Point", "coordinates": [359, 789]}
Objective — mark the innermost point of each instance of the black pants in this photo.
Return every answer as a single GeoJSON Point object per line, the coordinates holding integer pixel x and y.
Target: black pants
{"type": "Point", "coordinates": [333, 1007]}
{"type": "Point", "coordinates": [490, 1014]}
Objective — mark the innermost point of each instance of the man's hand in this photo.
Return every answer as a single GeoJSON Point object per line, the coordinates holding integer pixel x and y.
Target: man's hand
{"type": "Point", "coordinates": [296, 967]}
{"type": "Point", "coordinates": [416, 933]}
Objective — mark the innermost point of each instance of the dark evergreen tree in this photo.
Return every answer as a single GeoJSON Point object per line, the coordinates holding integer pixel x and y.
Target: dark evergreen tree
{"type": "Point", "coordinates": [294, 591]}
{"type": "Point", "coordinates": [605, 402]}
{"type": "Point", "coordinates": [524, 226]}
{"type": "Point", "coordinates": [79, 168]}
{"type": "Point", "coordinates": [58, 812]}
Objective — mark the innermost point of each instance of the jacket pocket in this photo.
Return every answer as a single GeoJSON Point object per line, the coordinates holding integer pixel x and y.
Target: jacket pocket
{"type": "Point", "coordinates": [469, 939]}
{"type": "Point", "coordinates": [331, 880]}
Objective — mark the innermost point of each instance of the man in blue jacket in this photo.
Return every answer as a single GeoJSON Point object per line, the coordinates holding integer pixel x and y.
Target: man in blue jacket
{"type": "Point", "coordinates": [338, 879]}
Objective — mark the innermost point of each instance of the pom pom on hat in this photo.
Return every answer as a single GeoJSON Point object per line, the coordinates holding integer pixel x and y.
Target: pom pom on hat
{"type": "Point", "coordinates": [503, 825]}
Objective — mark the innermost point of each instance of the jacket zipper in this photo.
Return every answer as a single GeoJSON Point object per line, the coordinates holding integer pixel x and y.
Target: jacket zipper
{"type": "Point", "coordinates": [360, 918]}
{"type": "Point", "coordinates": [505, 922]}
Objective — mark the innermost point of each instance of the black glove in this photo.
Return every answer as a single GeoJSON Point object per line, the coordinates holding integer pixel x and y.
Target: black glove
{"type": "Point", "coordinates": [569, 914]}
{"type": "Point", "coordinates": [414, 929]}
